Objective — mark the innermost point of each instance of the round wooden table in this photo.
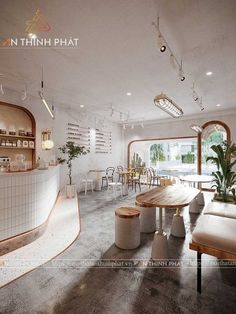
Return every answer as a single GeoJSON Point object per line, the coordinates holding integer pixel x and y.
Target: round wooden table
{"type": "Point", "coordinates": [173, 196]}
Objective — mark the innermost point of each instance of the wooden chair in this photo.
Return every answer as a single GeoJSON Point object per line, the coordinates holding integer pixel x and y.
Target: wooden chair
{"type": "Point", "coordinates": [134, 179]}
{"type": "Point", "coordinates": [120, 169]}
{"type": "Point", "coordinates": [109, 176]}
{"type": "Point", "coordinates": [154, 177]}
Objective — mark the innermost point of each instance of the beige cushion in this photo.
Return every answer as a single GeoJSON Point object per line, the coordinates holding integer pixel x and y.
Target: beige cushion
{"type": "Point", "coordinates": [221, 209]}
{"type": "Point", "coordinates": [217, 232]}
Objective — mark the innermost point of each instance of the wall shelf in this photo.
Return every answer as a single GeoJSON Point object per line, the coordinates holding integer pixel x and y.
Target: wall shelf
{"type": "Point", "coordinates": [17, 137]}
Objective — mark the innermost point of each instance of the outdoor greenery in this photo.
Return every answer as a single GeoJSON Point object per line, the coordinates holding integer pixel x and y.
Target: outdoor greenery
{"type": "Point", "coordinates": [71, 152]}
{"type": "Point", "coordinates": [224, 177]}
{"type": "Point", "coordinates": [189, 158]}
{"type": "Point", "coordinates": [215, 138]}
{"type": "Point", "coordinates": [157, 153]}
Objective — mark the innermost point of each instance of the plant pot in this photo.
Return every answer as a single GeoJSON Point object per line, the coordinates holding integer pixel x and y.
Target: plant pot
{"type": "Point", "coordinates": [70, 190]}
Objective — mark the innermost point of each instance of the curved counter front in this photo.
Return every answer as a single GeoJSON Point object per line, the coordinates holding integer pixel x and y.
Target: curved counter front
{"type": "Point", "coordinates": [26, 200]}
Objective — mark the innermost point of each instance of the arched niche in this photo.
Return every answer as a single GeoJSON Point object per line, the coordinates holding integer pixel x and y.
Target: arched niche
{"type": "Point", "coordinates": [213, 132]}
{"type": "Point", "coordinates": [14, 117]}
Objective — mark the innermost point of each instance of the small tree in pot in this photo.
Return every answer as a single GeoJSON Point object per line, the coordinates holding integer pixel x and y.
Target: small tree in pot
{"type": "Point", "coordinates": [71, 152]}
{"type": "Point", "coordinates": [224, 178]}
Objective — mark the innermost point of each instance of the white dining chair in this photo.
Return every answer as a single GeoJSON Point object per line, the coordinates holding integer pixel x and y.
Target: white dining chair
{"type": "Point", "coordinates": [87, 182]}
{"type": "Point", "coordinates": [115, 187]}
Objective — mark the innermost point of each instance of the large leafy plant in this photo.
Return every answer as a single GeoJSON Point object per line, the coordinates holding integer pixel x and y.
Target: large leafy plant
{"type": "Point", "coordinates": [224, 178]}
{"type": "Point", "coordinates": [71, 152]}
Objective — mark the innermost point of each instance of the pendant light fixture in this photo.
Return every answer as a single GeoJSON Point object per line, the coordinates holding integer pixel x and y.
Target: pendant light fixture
{"type": "Point", "coordinates": [41, 95]}
{"type": "Point", "coordinates": [166, 104]}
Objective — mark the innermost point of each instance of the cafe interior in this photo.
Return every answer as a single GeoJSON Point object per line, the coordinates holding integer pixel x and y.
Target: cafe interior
{"type": "Point", "coordinates": [118, 156]}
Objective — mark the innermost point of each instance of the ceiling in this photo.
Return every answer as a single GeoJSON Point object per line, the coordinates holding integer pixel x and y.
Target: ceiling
{"type": "Point", "coordinates": [118, 53]}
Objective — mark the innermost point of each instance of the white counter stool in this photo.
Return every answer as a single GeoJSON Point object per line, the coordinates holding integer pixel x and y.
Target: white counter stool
{"type": "Point", "coordinates": [127, 228]}
{"type": "Point", "coordinates": [87, 182]}
{"type": "Point", "coordinates": [147, 219]}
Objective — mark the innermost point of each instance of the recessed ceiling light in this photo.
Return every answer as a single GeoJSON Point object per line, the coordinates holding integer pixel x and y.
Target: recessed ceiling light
{"type": "Point", "coordinates": [33, 36]}
{"type": "Point", "coordinates": [209, 73]}
{"type": "Point", "coordinates": [129, 94]}
{"type": "Point", "coordinates": [218, 105]}
{"type": "Point", "coordinates": [81, 106]}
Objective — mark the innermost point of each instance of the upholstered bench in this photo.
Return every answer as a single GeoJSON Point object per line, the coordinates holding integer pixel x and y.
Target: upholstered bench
{"type": "Point", "coordinates": [215, 234]}
{"type": "Point", "coordinates": [127, 228]}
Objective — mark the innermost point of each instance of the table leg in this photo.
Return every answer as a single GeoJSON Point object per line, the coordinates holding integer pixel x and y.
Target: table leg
{"type": "Point", "coordinates": [125, 186]}
{"type": "Point", "coordinates": [200, 199]}
{"type": "Point", "coordinates": [177, 227]}
{"type": "Point", "coordinates": [160, 243]}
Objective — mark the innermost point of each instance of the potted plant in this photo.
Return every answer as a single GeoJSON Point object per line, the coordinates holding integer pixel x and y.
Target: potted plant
{"type": "Point", "coordinates": [224, 178]}
{"type": "Point", "coordinates": [71, 152]}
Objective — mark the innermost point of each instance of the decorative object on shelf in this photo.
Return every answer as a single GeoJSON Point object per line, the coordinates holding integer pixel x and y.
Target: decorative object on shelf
{"type": "Point", "coordinates": [79, 135]}
{"type": "Point", "coordinates": [41, 95]}
{"type": "Point", "coordinates": [3, 131]}
{"type": "Point", "coordinates": [31, 144]}
{"type": "Point", "coordinates": [19, 143]}
{"type": "Point", "coordinates": [102, 142]}
{"type": "Point", "coordinates": [196, 128]}
{"type": "Point", "coordinates": [12, 132]}
{"type": "Point", "coordinates": [166, 104]}
{"type": "Point", "coordinates": [25, 144]}
{"type": "Point", "coordinates": [224, 178]}
{"type": "Point", "coordinates": [4, 163]}
{"type": "Point", "coordinates": [21, 132]}
{"type": "Point", "coordinates": [71, 151]}
{"type": "Point", "coordinates": [29, 133]}
{"type": "Point", "coordinates": [47, 142]}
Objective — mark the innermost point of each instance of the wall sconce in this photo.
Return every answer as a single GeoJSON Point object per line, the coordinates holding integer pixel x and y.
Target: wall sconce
{"type": "Point", "coordinates": [47, 142]}
{"type": "Point", "coordinates": [196, 128]}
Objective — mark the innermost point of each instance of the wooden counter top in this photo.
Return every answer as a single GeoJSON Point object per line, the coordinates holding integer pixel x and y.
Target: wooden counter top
{"type": "Point", "coordinates": [173, 196]}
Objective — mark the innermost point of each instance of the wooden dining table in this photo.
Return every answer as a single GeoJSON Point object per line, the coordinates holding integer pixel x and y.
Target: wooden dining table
{"type": "Point", "coordinates": [173, 196]}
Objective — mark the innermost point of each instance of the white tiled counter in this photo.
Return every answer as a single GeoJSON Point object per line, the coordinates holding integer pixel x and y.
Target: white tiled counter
{"type": "Point", "coordinates": [26, 200]}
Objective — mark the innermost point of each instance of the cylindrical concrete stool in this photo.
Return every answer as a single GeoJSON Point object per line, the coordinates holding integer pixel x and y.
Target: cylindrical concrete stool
{"type": "Point", "coordinates": [127, 228]}
{"type": "Point", "coordinates": [147, 219]}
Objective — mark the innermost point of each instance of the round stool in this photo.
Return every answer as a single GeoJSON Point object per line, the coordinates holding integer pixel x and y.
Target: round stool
{"type": "Point", "coordinates": [147, 219]}
{"type": "Point", "coordinates": [127, 228]}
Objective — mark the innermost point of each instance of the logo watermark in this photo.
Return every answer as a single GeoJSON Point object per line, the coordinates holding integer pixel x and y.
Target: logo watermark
{"type": "Point", "coordinates": [34, 27]}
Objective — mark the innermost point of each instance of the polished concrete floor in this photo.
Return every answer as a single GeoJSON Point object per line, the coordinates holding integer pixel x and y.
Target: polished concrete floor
{"type": "Point", "coordinates": [85, 278]}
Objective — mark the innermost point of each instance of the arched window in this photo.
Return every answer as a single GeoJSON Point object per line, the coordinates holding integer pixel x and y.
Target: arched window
{"type": "Point", "coordinates": [213, 133]}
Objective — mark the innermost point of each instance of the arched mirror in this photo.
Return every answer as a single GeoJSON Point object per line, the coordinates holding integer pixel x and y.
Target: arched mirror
{"type": "Point", "coordinates": [213, 133]}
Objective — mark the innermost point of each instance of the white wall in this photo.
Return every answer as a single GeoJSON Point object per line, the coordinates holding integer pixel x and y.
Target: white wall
{"type": "Point", "coordinates": [43, 120]}
{"type": "Point", "coordinates": [177, 128]}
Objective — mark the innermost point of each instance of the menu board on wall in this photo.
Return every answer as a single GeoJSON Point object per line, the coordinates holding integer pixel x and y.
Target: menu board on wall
{"type": "Point", "coordinates": [102, 142]}
{"type": "Point", "coordinates": [79, 135]}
